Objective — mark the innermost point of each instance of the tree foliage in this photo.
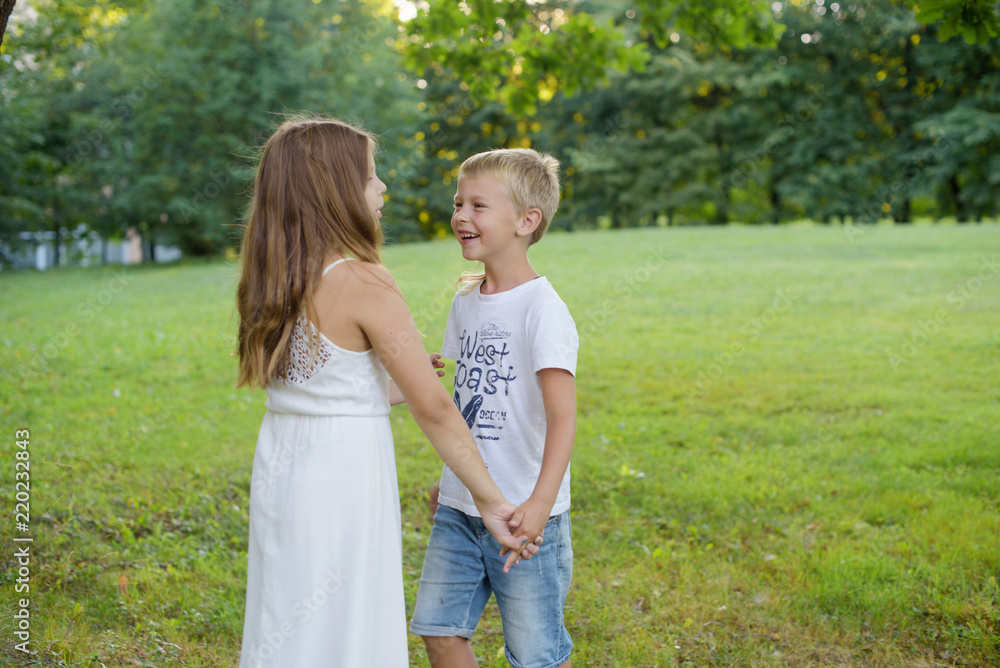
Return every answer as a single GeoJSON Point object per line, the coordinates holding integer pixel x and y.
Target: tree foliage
{"type": "Point", "coordinates": [153, 111]}
{"type": "Point", "coordinates": [519, 52]}
{"type": "Point", "coordinates": [132, 115]}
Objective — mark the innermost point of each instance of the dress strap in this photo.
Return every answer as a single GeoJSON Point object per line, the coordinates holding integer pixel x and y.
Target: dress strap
{"type": "Point", "coordinates": [334, 264]}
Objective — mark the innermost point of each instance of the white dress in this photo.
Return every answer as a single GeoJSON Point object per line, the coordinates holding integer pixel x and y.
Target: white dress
{"type": "Point", "coordinates": [325, 576]}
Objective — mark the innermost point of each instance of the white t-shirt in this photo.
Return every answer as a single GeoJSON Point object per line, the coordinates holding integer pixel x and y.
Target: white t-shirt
{"type": "Point", "coordinates": [500, 342]}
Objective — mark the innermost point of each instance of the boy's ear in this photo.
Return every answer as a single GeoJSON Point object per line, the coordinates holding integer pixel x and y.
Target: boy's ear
{"type": "Point", "coordinates": [529, 222]}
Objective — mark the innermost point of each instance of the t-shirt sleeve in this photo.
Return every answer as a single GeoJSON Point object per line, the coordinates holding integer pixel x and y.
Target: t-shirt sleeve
{"type": "Point", "coordinates": [554, 340]}
{"type": "Point", "coordinates": [450, 345]}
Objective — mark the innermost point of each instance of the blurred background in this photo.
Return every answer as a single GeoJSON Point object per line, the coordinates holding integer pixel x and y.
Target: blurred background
{"type": "Point", "coordinates": [129, 127]}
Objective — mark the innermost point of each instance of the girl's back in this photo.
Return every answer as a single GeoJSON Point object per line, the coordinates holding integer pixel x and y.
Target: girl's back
{"type": "Point", "coordinates": [331, 369]}
{"type": "Point", "coordinates": [325, 551]}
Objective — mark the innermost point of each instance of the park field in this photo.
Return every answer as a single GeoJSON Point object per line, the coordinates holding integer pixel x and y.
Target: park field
{"type": "Point", "coordinates": [788, 451]}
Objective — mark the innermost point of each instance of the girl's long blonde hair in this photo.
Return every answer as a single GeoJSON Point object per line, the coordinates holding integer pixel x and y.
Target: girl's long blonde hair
{"type": "Point", "coordinates": [308, 200]}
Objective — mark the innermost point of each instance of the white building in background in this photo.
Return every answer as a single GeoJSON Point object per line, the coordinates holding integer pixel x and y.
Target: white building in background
{"type": "Point", "coordinates": [127, 251]}
{"type": "Point", "coordinates": [83, 249]}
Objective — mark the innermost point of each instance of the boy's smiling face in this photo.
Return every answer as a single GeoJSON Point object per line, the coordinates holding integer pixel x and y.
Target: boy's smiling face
{"type": "Point", "coordinates": [485, 222]}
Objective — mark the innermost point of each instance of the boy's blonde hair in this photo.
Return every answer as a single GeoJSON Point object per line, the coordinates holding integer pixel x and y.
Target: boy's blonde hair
{"type": "Point", "coordinates": [530, 178]}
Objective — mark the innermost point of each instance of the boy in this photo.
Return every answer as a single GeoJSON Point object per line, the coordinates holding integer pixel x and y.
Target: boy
{"type": "Point", "coordinates": [515, 345]}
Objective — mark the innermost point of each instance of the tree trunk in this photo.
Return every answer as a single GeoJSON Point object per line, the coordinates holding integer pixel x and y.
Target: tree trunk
{"type": "Point", "coordinates": [6, 7]}
{"type": "Point", "coordinates": [56, 245]}
{"type": "Point", "coordinates": [721, 214]}
{"type": "Point", "coordinates": [902, 214]}
{"type": "Point", "coordinates": [57, 227]}
{"type": "Point", "coordinates": [725, 167]}
{"type": "Point", "coordinates": [616, 219]}
{"type": "Point", "coordinates": [722, 209]}
{"type": "Point", "coordinates": [775, 205]}
{"type": "Point", "coordinates": [956, 196]}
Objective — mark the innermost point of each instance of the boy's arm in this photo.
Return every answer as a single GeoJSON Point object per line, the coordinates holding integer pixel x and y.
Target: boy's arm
{"type": "Point", "coordinates": [559, 396]}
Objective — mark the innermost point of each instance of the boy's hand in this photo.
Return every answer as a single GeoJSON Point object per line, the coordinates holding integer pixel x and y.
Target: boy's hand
{"type": "Point", "coordinates": [529, 520]}
{"type": "Point", "coordinates": [437, 363]}
{"type": "Point", "coordinates": [497, 520]}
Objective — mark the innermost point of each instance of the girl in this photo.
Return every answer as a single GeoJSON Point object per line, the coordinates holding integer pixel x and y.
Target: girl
{"type": "Point", "coordinates": [322, 328]}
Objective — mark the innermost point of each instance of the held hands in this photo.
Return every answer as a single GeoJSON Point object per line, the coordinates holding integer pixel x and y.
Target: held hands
{"type": "Point", "coordinates": [498, 520]}
{"type": "Point", "coordinates": [529, 521]}
{"type": "Point", "coordinates": [500, 523]}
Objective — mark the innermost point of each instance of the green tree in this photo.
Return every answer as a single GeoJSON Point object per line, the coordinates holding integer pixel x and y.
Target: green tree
{"type": "Point", "coordinates": [194, 87]}
{"type": "Point", "coordinates": [25, 167]}
{"type": "Point", "coordinates": [906, 115]}
{"type": "Point", "coordinates": [200, 86]}
{"type": "Point", "coordinates": [520, 53]}
{"type": "Point", "coordinates": [637, 155]}
{"type": "Point", "coordinates": [976, 21]}
{"type": "Point", "coordinates": [960, 129]}
{"type": "Point", "coordinates": [135, 115]}
{"type": "Point", "coordinates": [829, 166]}
{"type": "Point", "coordinates": [43, 105]}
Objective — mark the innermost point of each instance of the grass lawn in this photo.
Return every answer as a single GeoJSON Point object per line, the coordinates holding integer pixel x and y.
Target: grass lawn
{"type": "Point", "coordinates": [788, 451]}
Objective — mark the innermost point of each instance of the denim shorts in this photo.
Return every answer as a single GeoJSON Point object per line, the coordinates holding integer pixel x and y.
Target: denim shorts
{"type": "Point", "coordinates": [463, 567]}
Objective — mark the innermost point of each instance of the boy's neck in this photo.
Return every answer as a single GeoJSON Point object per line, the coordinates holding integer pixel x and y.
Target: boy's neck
{"type": "Point", "coordinates": [501, 277]}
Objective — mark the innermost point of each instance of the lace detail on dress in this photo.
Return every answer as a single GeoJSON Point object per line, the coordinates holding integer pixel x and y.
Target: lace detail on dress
{"type": "Point", "coordinates": [303, 360]}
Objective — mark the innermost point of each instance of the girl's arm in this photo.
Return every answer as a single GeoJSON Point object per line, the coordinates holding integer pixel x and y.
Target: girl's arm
{"type": "Point", "coordinates": [396, 395]}
{"type": "Point", "coordinates": [384, 317]}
